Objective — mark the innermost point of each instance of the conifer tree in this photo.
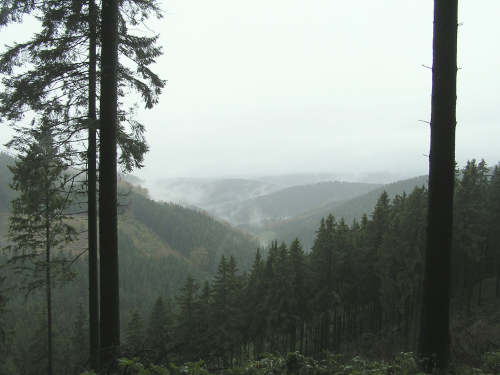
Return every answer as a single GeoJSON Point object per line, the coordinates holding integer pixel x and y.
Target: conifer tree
{"type": "Point", "coordinates": [39, 222]}
{"type": "Point", "coordinates": [186, 328]}
{"type": "Point", "coordinates": [299, 307]}
{"type": "Point", "coordinates": [108, 220]}
{"type": "Point", "coordinates": [221, 290]}
{"type": "Point", "coordinates": [434, 335]}
{"type": "Point", "coordinates": [3, 332]}
{"type": "Point", "coordinates": [470, 227]}
{"type": "Point", "coordinates": [205, 327]}
{"type": "Point", "coordinates": [159, 332]}
{"type": "Point", "coordinates": [62, 81]}
{"type": "Point", "coordinates": [94, 329]}
{"type": "Point", "coordinates": [79, 341]}
{"type": "Point", "coordinates": [134, 339]}
{"type": "Point", "coordinates": [493, 219]}
{"type": "Point", "coordinates": [254, 307]}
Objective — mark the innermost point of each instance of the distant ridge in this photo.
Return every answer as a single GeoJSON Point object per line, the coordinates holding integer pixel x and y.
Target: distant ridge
{"type": "Point", "coordinates": [167, 241]}
{"type": "Point", "coordinates": [303, 226]}
{"type": "Point", "coordinates": [291, 201]}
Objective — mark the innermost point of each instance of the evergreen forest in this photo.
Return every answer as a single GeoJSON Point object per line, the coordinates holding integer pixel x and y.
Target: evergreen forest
{"type": "Point", "coordinates": [357, 291]}
{"type": "Point", "coordinates": [264, 276]}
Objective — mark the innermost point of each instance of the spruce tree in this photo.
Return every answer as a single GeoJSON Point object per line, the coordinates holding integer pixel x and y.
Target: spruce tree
{"type": "Point", "coordinates": [79, 341]}
{"type": "Point", "coordinates": [434, 334]}
{"type": "Point", "coordinates": [254, 305]}
{"type": "Point", "coordinates": [39, 224]}
{"type": "Point", "coordinates": [470, 228]}
{"type": "Point", "coordinates": [3, 331]}
{"type": "Point", "coordinates": [94, 334]}
{"type": "Point", "coordinates": [186, 328]}
{"type": "Point", "coordinates": [134, 339]}
{"type": "Point", "coordinates": [221, 290]}
{"type": "Point", "coordinates": [299, 308]}
{"type": "Point", "coordinates": [159, 333]}
{"type": "Point", "coordinates": [493, 220]}
{"type": "Point", "coordinates": [108, 220]}
{"type": "Point", "coordinates": [62, 79]}
{"type": "Point", "coordinates": [205, 326]}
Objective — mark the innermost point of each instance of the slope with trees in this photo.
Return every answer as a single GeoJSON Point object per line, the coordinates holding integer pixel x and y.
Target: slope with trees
{"type": "Point", "coordinates": [39, 224]}
{"type": "Point", "coordinates": [357, 291]}
{"type": "Point", "coordinates": [304, 225]}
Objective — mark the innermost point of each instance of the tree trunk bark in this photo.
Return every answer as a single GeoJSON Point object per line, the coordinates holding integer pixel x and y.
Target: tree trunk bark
{"type": "Point", "coordinates": [92, 195]}
{"type": "Point", "coordinates": [48, 292]}
{"type": "Point", "coordinates": [108, 233]}
{"type": "Point", "coordinates": [497, 288]}
{"type": "Point", "coordinates": [434, 335]}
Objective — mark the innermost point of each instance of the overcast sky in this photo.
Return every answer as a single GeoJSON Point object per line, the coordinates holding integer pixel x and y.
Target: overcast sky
{"type": "Point", "coordinates": [287, 86]}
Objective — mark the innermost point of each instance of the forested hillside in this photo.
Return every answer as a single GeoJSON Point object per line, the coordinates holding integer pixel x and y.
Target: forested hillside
{"type": "Point", "coordinates": [195, 235]}
{"type": "Point", "coordinates": [159, 245]}
{"type": "Point", "coordinates": [291, 201]}
{"type": "Point", "coordinates": [304, 226]}
{"type": "Point", "coordinates": [190, 235]}
{"type": "Point", "coordinates": [357, 292]}
{"type": "Point", "coordinates": [207, 193]}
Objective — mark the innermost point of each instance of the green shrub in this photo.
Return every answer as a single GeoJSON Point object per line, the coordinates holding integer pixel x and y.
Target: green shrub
{"type": "Point", "coordinates": [491, 362]}
{"type": "Point", "coordinates": [297, 364]}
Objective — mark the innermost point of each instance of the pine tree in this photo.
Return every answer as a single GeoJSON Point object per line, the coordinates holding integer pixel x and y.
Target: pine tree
{"type": "Point", "coordinates": [108, 220]}
{"type": "Point", "coordinates": [325, 296]}
{"type": "Point", "coordinates": [493, 220]}
{"type": "Point", "coordinates": [134, 339]}
{"type": "Point", "coordinates": [186, 328]}
{"type": "Point", "coordinates": [39, 222]}
{"type": "Point", "coordinates": [3, 332]}
{"type": "Point", "coordinates": [221, 290]}
{"type": "Point", "coordinates": [62, 82]}
{"type": "Point", "coordinates": [235, 315]}
{"type": "Point", "coordinates": [254, 306]}
{"type": "Point", "coordinates": [158, 336]}
{"type": "Point", "coordinates": [470, 227]}
{"type": "Point", "coordinates": [61, 76]}
{"type": "Point", "coordinates": [434, 335]}
{"type": "Point", "coordinates": [94, 334]}
{"type": "Point", "coordinates": [205, 327]}
{"type": "Point", "coordinates": [79, 341]}
{"type": "Point", "coordinates": [299, 306]}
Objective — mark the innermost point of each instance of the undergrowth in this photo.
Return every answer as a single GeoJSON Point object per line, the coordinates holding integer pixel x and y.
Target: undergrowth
{"type": "Point", "coordinates": [297, 364]}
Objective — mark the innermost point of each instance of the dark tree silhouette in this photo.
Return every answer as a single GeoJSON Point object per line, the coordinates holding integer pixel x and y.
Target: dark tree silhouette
{"type": "Point", "coordinates": [434, 335]}
{"type": "Point", "coordinates": [39, 222]}
{"type": "Point", "coordinates": [92, 192]}
{"type": "Point", "coordinates": [108, 221]}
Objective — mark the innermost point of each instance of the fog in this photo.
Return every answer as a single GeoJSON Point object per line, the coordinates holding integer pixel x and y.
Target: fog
{"type": "Point", "coordinates": [277, 87]}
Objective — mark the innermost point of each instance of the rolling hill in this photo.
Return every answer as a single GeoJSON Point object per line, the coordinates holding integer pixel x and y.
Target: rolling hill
{"type": "Point", "coordinates": [304, 226]}
{"type": "Point", "coordinates": [291, 201]}
{"type": "Point", "coordinates": [166, 242]}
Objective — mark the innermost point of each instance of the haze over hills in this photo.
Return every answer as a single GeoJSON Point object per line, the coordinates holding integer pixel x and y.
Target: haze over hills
{"type": "Point", "coordinates": [243, 201]}
{"type": "Point", "coordinates": [269, 209]}
{"type": "Point", "coordinates": [289, 202]}
{"type": "Point", "coordinates": [208, 193]}
{"type": "Point", "coordinates": [304, 226]}
{"type": "Point", "coordinates": [282, 207]}
{"type": "Point", "coordinates": [185, 241]}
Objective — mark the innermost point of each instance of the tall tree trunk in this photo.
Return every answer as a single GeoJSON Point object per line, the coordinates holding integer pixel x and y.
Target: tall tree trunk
{"type": "Point", "coordinates": [92, 196]}
{"type": "Point", "coordinates": [293, 337]}
{"type": "Point", "coordinates": [497, 289]}
{"type": "Point", "coordinates": [434, 335]}
{"type": "Point", "coordinates": [48, 291]}
{"type": "Point", "coordinates": [108, 233]}
{"type": "Point", "coordinates": [301, 343]}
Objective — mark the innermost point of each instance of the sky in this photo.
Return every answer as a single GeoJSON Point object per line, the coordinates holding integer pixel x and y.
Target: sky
{"type": "Point", "coordinates": [285, 86]}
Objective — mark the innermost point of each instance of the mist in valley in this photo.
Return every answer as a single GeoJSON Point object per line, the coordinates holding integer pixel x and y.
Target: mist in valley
{"type": "Point", "coordinates": [245, 188]}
